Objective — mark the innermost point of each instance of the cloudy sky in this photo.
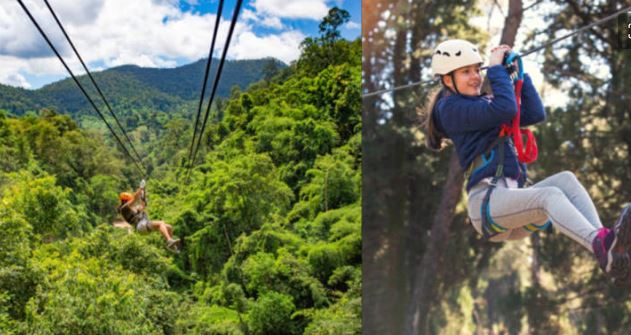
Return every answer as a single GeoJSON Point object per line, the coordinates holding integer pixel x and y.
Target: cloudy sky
{"type": "Point", "coordinates": [153, 33]}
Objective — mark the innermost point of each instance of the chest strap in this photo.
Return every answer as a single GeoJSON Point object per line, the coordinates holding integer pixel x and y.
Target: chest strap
{"type": "Point", "coordinates": [484, 159]}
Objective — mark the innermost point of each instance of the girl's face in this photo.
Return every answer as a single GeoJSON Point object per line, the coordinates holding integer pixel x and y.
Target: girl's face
{"type": "Point", "coordinates": [468, 80]}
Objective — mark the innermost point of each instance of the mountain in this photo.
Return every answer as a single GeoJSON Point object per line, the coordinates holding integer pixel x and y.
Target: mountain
{"type": "Point", "coordinates": [131, 87]}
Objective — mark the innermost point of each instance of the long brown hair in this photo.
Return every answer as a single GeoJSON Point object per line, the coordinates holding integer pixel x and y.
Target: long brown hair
{"type": "Point", "coordinates": [433, 137]}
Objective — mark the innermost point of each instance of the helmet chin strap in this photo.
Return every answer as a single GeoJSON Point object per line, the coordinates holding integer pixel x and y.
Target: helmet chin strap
{"type": "Point", "coordinates": [453, 81]}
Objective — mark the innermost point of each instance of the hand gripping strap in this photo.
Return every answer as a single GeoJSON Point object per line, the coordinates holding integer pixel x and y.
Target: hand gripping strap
{"type": "Point", "coordinates": [530, 152]}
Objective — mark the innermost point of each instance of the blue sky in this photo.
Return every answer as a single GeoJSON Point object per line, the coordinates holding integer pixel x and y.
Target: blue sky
{"type": "Point", "coordinates": [309, 27]}
{"type": "Point", "coordinates": [154, 33]}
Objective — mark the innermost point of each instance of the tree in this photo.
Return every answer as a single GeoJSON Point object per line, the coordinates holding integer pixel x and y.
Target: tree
{"type": "Point", "coordinates": [88, 288]}
{"type": "Point", "coordinates": [271, 315]}
{"type": "Point", "coordinates": [271, 69]}
{"type": "Point", "coordinates": [237, 197]}
{"type": "Point", "coordinates": [400, 175]}
{"type": "Point", "coordinates": [328, 49]}
{"type": "Point", "coordinates": [329, 25]}
{"type": "Point", "coordinates": [45, 206]}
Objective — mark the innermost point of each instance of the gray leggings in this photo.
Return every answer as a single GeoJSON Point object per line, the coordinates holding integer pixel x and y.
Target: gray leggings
{"type": "Point", "coordinates": [560, 198]}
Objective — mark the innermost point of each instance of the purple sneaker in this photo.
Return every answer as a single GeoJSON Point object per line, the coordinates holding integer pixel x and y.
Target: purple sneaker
{"type": "Point", "coordinates": [611, 248]}
{"type": "Point", "coordinates": [602, 248]}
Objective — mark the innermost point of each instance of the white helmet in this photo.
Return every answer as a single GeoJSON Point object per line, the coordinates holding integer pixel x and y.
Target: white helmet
{"type": "Point", "coordinates": [454, 54]}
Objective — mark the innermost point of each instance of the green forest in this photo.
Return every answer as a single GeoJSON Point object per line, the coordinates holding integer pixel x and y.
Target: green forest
{"type": "Point", "coordinates": [270, 221]}
{"type": "Point", "coordinates": [437, 275]}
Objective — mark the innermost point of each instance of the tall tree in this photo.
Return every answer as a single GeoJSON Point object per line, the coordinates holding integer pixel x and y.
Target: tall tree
{"type": "Point", "coordinates": [398, 172]}
{"type": "Point", "coordinates": [329, 27]}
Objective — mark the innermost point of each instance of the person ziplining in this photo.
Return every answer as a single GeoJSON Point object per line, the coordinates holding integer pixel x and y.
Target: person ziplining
{"type": "Point", "coordinates": [132, 206]}
{"type": "Point", "coordinates": [132, 209]}
{"type": "Point", "coordinates": [485, 130]}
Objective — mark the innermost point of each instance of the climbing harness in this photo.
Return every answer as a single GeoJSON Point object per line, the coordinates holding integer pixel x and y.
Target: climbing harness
{"type": "Point", "coordinates": [525, 155]}
{"type": "Point", "coordinates": [489, 227]}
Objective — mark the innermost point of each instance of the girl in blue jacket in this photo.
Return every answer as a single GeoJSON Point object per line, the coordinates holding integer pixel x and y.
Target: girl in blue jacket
{"type": "Point", "coordinates": [472, 121]}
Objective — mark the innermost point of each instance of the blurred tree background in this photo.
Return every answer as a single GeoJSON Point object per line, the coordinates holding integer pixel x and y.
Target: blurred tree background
{"type": "Point", "coordinates": [270, 221]}
{"type": "Point", "coordinates": [425, 270]}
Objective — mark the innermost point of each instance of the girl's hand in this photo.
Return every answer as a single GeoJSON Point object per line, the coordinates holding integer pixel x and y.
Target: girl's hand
{"type": "Point", "coordinates": [497, 54]}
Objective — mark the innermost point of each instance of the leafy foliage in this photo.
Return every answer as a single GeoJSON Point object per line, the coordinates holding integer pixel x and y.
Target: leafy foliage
{"type": "Point", "coordinates": [269, 222]}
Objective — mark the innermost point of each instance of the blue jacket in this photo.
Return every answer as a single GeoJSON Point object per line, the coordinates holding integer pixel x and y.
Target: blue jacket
{"type": "Point", "coordinates": [473, 123]}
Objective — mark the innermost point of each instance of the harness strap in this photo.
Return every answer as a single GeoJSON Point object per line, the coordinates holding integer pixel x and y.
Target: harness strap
{"type": "Point", "coordinates": [530, 152]}
{"type": "Point", "coordinates": [132, 216]}
{"type": "Point", "coordinates": [482, 160]}
{"type": "Point", "coordinates": [531, 227]}
{"type": "Point", "coordinates": [489, 227]}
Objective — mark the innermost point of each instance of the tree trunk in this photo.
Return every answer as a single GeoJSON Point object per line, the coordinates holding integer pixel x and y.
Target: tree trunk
{"type": "Point", "coordinates": [383, 227]}
{"type": "Point", "coordinates": [512, 22]}
{"type": "Point", "coordinates": [383, 205]}
{"type": "Point", "coordinates": [424, 290]}
{"type": "Point", "coordinates": [535, 267]}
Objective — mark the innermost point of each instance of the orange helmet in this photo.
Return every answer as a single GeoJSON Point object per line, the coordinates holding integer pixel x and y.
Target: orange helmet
{"type": "Point", "coordinates": [125, 197]}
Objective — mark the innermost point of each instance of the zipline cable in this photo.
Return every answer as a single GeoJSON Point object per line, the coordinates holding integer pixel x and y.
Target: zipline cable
{"type": "Point", "coordinates": [605, 19]}
{"type": "Point", "coordinates": [80, 87]}
{"type": "Point", "coordinates": [608, 18]}
{"type": "Point", "coordinates": [533, 5]}
{"type": "Point", "coordinates": [93, 81]}
{"type": "Point", "coordinates": [208, 65]}
{"type": "Point", "coordinates": [421, 83]}
{"type": "Point", "coordinates": [216, 82]}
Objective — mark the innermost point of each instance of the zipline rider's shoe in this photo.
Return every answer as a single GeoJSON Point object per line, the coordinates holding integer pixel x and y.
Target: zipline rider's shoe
{"type": "Point", "coordinates": [174, 245]}
{"type": "Point", "coordinates": [612, 248]}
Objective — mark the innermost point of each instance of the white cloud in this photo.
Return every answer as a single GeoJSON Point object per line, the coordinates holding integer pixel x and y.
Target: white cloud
{"type": "Point", "coordinates": [119, 32]}
{"type": "Point", "coordinates": [140, 60]}
{"type": "Point", "coordinates": [76, 13]}
{"type": "Point", "coordinates": [248, 15]}
{"type": "Point", "coordinates": [285, 46]}
{"type": "Point", "coordinates": [19, 37]}
{"type": "Point", "coordinates": [12, 69]}
{"type": "Point", "coordinates": [353, 25]}
{"type": "Point", "coordinates": [264, 19]}
{"type": "Point", "coordinates": [272, 22]}
{"type": "Point", "coordinates": [15, 79]}
{"type": "Point", "coordinates": [304, 9]}
{"type": "Point", "coordinates": [116, 32]}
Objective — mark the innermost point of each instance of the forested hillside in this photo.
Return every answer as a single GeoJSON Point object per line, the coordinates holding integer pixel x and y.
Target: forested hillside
{"type": "Point", "coordinates": [131, 87]}
{"type": "Point", "coordinates": [270, 221]}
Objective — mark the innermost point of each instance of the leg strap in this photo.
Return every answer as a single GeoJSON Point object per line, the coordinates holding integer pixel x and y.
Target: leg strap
{"type": "Point", "coordinates": [531, 227]}
{"type": "Point", "coordinates": [489, 227]}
